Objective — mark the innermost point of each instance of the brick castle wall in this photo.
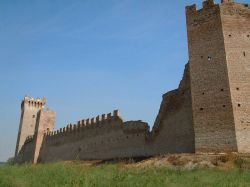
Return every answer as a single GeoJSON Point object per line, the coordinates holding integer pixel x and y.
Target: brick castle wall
{"type": "Point", "coordinates": [105, 138]}
{"type": "Point", "coordinates": [235, 20]}
{"type": "Point", "coordinates": [109, 137]}
{"type": "Point", "coordinates": [213, 117]}
{"type": "Point", "coordinates": [26, 153]}
{"type": "Point", "coordinates": [45, 123]}
{"type": "Point", "coordinates": [29, 109]}
{"type": "Point", "coordinates": [209, 112]}
{"type": "Point", "coordinates": [173, 129]}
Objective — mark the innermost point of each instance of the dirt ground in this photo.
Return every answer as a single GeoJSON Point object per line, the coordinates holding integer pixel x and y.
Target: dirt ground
{"type": "Point", "coordinates": [224, 161]}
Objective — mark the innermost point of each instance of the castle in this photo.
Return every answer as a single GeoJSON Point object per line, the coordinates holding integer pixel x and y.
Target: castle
{"type": "Point", "coordinates": [209, 112]}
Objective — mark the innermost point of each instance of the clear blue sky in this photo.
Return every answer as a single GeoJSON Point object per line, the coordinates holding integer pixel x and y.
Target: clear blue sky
{"type": "Point", "coordinates": [88, 57]}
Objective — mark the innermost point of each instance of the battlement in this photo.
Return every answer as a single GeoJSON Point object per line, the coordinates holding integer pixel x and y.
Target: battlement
{"type": "Point", "coordinates": [35, 102]}
{"type": "Point", "coordinates": [99, 119]}
{"type": "Point", "coordinates": [29, 139]}
{"type": "Point", "coordinates": [208, 112]}
{"type": "Point", "coordinates": [205, 5]}
{"type": "Point", "coordinates": [90, 123]}
{"type": "Point", "coordinates": [208, 4]}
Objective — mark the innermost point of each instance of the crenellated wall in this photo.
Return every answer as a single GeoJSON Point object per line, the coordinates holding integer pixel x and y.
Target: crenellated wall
{"type": "Point", "coordinates": [208, 112]}
{"type": "Point", "coordinates": [108, 136]}
{"type": "Point", "coordinates": [98, 138]}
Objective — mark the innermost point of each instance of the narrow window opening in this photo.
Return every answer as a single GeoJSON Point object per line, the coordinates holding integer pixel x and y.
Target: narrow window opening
{"type": "Point", "coordinates": [224, 106]}
{"type": "Point", "coordinates": [183, 93]}
{"type": "Point", "coordinates": [229, 35]}
{"type": "Point", "coordinates": [248, 35]}
{"type": "Point", "coordinates": [201, 57]}
{"type": "Point", "coordinates": [239, 105]}
{"type": "Point", "coordinates": [244, 53]}
{"type": "Point", "coordinates": [201, 109]}
{"type": "Point", "coordinates": [203, 93]}
{"type": "Point", "coordinates": [237, 88]}
{"type": "Point", "coordinates": [209, 58]}
{"type": "Point", "coordinates": [222, 90]}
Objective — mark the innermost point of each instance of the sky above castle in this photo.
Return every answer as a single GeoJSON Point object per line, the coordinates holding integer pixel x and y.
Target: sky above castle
{"type": "Point", "coordinates": [89, 57]}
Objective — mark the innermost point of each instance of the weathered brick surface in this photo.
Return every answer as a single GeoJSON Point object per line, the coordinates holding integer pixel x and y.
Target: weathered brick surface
{"type": "Point", "coordinates": [109, 138]}
{"type": "Point", "coordinates": [29, 109]}
{"type": "Point", "coordinates": [30, 151]}
{"type": "Point", "coordinates": [45, 123]}
{"type": "Point", "coordinates": [236, 32]}
{"type": "Point", "coordinates": [218, 47]}
{"type": "Point", "coordinates": [26, 153]}
{"type": "Point", "coordinates": [209, 112]}
{"type": "Point", "coordinates": [173, 129]}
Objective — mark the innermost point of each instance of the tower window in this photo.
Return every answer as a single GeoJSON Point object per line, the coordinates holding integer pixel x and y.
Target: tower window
{"type": "Point", "coordinates": [222, 90]}
{"type": "Point", "coordinates": [239, 105]}
{"type": "Point", "coordinates": [201, 109]}
{"type": "Point", "coordinates": [229, 35]}
{"type": "Point", "coordinates": [244, 53]}
{"type": "Point", "coordinates": [237, 88]}
{"type": "Point", "coordinates": [224, 106]}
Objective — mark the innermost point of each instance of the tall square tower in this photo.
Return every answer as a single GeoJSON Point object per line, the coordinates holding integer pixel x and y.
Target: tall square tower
{"type": "Point", "coordinates": [219, 53]}
{"type": "Point", "coordinates": [29, 111]}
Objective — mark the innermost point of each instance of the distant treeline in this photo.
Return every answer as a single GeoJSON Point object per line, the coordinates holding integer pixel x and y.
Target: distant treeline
{"type": "Point", "coordinates": [2, 163]}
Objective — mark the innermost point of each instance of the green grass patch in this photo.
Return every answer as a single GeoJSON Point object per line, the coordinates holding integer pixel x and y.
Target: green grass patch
{"type": "Point", "coordinates": [74, 175]}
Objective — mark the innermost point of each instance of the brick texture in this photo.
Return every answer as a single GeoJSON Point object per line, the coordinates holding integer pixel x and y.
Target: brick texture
{"type": "Point", "coordinates": [208, 112]}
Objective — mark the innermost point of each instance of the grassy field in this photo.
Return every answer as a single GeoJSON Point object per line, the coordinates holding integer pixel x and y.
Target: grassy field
{"type": "Point", "coordinates": [77, 174]}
